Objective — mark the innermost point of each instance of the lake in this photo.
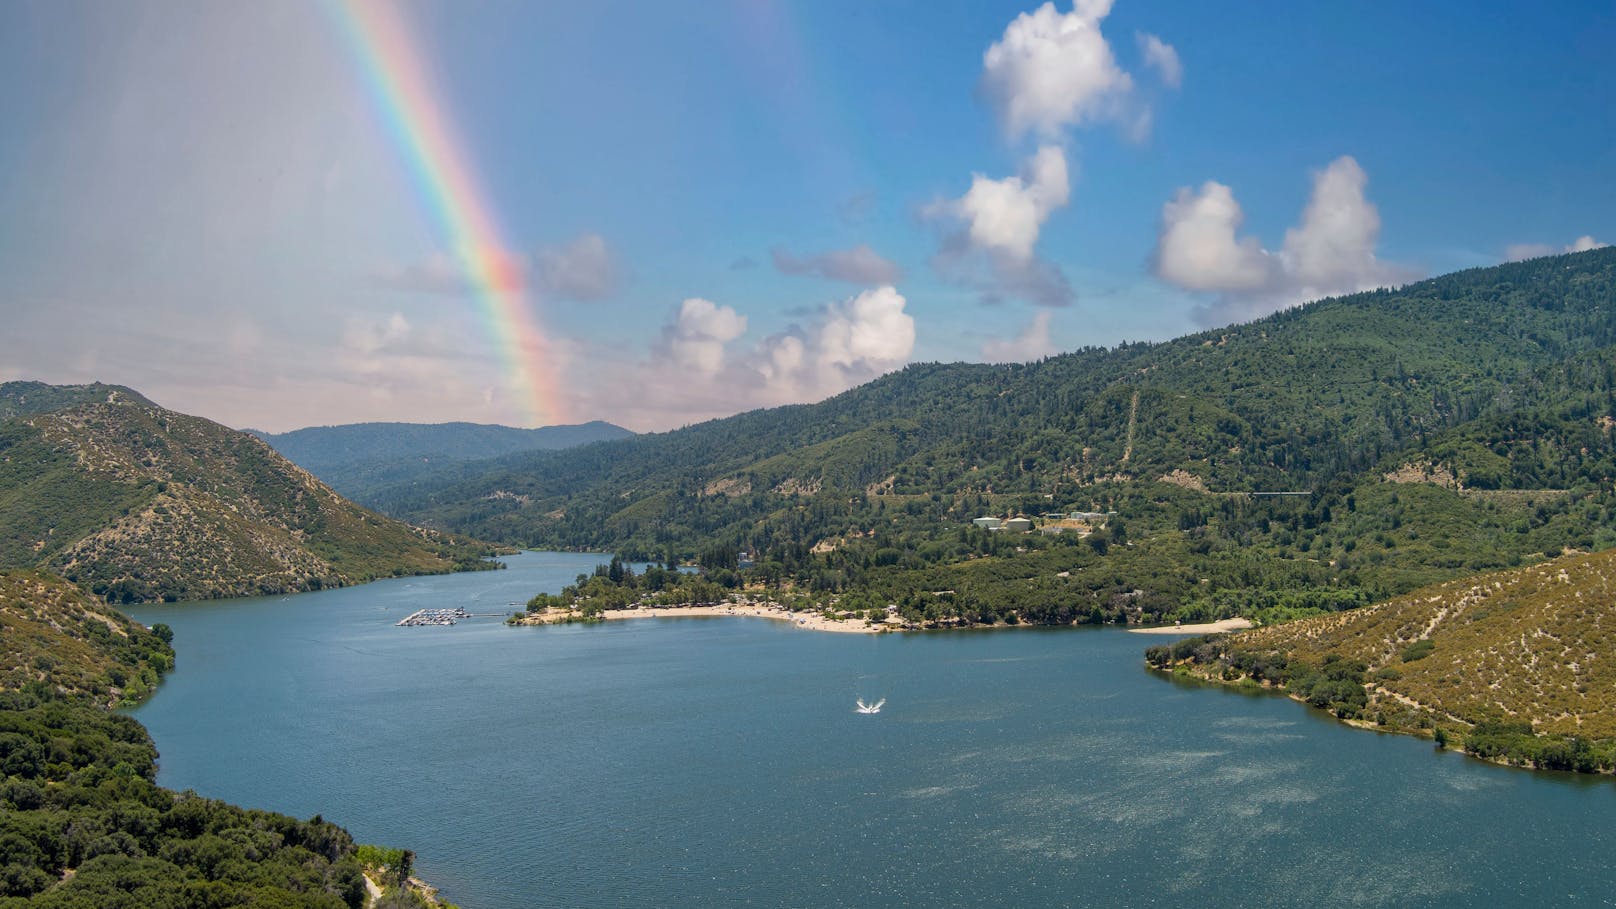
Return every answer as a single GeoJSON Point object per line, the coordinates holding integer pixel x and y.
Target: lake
{"type": "Point", "coordinates": [699, 762]}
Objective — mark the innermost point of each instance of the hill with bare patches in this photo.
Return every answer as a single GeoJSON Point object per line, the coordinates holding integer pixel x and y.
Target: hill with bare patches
{"type": "Point", "coordinates": [1517, 665]}
{"type": "Point", "coordinates": [136, 503]}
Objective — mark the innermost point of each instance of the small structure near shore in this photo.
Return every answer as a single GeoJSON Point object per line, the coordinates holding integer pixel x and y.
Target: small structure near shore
{"type": "Point", "coordinates": [434, 617]}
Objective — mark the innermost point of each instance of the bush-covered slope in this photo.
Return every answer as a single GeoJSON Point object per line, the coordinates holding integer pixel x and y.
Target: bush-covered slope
{"type": "Point", "coordinates": [1492, 660]}
{"type": "Point", "coordinates": [53, 635]}
{"type": "Point", "coordinates": [37, 397]}
{"type": "Point", "coordinates": [134, 502]}
{"type": "Point", "coordinates": [82, 824]}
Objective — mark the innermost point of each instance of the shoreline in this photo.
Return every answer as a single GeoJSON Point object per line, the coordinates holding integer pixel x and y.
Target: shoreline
{"type": "Point", "coordinates": [1456, 746]}
{"type": "Point", "coordinates": [815, 621]}
{"type": "Point", "coordinates": [811, 621]}
{"type": "Point", "coordinates": [1234, 624]}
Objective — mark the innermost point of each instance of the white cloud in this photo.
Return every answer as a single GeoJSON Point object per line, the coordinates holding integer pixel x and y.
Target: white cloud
{"type": "Point", "coordinates": [1331, 252]}
{"type": "Point", "coordinates": [584, 269]}
{"type": "Point", "coordinates": [1198, 248]}
{"type": "Point", "coordinates": [702, 368]}
{"type": "Point", "coordinates": [1032, 343]}
{"type": "Point", "coordinates": [1053, 70]}
{"type": "Point", "coordinates": [870, 333]}
{"type": "Point", "coordinates": [1003, 217]}
{"type": "Point", "coordinates": [695, 339]}
{"type": "Point", "coordinates": [1162, 57]}
{"type": "Point", "coordinates": [1518, 251]}
{"type": "Point", "coordinates": [999, 222]}
{"type": "Point", "coordinates": [859, 265]}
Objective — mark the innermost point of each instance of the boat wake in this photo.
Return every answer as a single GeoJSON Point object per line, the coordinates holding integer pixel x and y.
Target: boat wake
{"type": "Point", "coordinates": [870, 708]}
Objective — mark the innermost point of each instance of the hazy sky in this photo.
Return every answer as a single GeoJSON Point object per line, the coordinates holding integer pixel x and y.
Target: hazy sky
{"type": "Point", "coordinates": [715, 206]}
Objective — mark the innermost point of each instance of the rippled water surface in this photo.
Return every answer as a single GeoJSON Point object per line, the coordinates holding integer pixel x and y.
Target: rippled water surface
{"type": "Point", "coordinates": [700, 762]}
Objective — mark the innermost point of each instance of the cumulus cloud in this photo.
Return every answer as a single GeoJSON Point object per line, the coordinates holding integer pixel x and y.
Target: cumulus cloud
{"type": "Point", "coordinates": [867, 334]}
{"type": "Point", "coordinates": [1198, 248]}
{"type": "Point", "coordinates": [1031, 343]}
{"type": "Point", "coordinates": [1331, 252]}
{"type": "Point", "coordinates": [1005, 216]}
{"type": "Point", "coordinates": [1053, 70]}
{"type": "Point", "coordinates": [695, 339]}
{"type": "Point", "coordinates": [584, 269]}
{"type": "Point", "coordinates": [859, 265]}
{"type": "Point", "coordinates": [1518, 251]}
{"type": "Point", "coordinates": [997, 227]}
{"type": "Point", "coordinates": [1333, 249]}
{"type": "Point", "coordinates": [1162, 57]}
{"type": "Point", "coordinates": [702, 367]}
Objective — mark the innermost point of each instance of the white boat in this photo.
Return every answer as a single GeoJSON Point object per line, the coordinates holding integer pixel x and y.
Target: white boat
{"type": "Point", "coordinates": [870, 708]}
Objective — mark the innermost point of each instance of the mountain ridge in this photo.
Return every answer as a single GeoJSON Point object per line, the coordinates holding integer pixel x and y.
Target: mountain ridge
{"type": "Point", "coordinates": [355, 458]}
{"type": "Point", "coordinates": [135, 502]}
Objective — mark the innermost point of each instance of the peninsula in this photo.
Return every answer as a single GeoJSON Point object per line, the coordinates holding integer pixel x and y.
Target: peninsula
{"type": "Point", "coordinates": [1512, 666]}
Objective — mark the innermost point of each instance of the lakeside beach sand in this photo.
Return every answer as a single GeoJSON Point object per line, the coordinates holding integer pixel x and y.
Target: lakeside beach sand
{"type": "Point", "coordinates": [811, 621]}
{"type": "Point", "coordinates": [814, 621]}
{"type": "Point", "coordinates": [1235, 624]}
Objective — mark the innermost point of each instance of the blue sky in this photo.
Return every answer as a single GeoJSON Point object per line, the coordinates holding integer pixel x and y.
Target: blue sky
{"type": "Point", "coordinates": [735, 204]}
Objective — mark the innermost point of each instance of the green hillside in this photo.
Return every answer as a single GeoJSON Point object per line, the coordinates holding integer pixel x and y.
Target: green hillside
{"type": "Point", "coordinates": [133, 502]}
{"type": "Point", "coordinates": [356, 459]}
{"type": "Point", "coordinates": [1517, 665]}
{"type": "Point", "coordinates": [18, 398]}
{"type": "Point", "coordinates": [1455, 425]}
{"type": "Point", "coordinates": [83, 824]}
{"type": "Point", "coordinates": [52, 634]}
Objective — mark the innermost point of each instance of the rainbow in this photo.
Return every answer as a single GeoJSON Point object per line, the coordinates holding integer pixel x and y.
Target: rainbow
{"type": "Point", "coordinates": [399, 83]}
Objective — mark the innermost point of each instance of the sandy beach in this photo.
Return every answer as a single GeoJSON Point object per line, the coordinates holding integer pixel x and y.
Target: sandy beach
{"type": "Point", "coordinates": [811, 621]}
{"type": "Point", "coordinates": [1204, 628]}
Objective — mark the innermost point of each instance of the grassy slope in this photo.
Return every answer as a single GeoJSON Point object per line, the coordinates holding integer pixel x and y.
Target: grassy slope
{"type": "Point", "coordinates": [135, 502]}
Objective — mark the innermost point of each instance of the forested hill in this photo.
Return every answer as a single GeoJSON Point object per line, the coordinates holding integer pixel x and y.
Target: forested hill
{"type": "Point", "coordinates": [134, 502]}
{"type": "Point", "coordinates": [1311, 399]}
{"type": "Point", "coordinates": [356, 458]}
{"type": "Point", "coordinates": [83, 824]}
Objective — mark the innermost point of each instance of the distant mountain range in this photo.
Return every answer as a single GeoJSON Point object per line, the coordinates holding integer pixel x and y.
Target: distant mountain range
{"type": "Point", "coordinates": [133, 502]}
{"type": "Point", "coordinates": [356, 458]}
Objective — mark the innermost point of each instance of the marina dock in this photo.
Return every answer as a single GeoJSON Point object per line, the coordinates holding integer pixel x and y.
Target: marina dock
{"type": "Point", "coordinates": [444, 616]}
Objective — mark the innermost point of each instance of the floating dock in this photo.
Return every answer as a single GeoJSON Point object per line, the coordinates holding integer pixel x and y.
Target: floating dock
{"type": "Point", "coordinates": [443, 616]}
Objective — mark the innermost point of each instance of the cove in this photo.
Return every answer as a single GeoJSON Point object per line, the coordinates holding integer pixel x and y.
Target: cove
{"type": "Point", "coordinates": [695, 762]}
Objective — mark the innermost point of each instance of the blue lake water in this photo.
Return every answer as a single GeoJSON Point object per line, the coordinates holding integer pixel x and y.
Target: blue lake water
{"type": "Point", "coordinates": [701, 762]}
